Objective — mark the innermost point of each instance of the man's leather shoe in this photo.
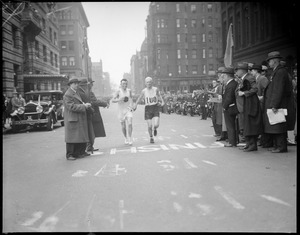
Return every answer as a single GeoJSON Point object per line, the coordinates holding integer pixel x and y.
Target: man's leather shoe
{"type": "Point", "coordinates": [84, 155]}
{"type": "Point", "coordinates": [229, 145]}
{"type": "Point", "coordinates": [221, 139]}
{"type": "Point", "coordinates": [250, 149]}
{"type": "Point", "coordinates": [71, 158]}
{"type": "Point", "coordinates": [244, 147]}
{"type": "Point", "coordinates": [278, 151]}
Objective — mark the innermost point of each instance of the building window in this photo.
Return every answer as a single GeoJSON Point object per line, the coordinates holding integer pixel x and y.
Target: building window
{"type": "Point", "coordinates": [158, 23]}
{"type": "Point", "coordinates": [37, 49]}
{"type": "Point", "coordinates": [69, 15]}
{"type": "Point", "coordinates": [162, 23]}
{"type": "Point", "coordinates": [204, 69]}
{"type": "Point", "coordinates": [50, 34]}
{"type": "Point", "coordinates": [194, 69]}
{"type": "Point", "coordinates": [158, 54]}
{"type": "Point", "coordinates": [203, 37]}
{"type": "Point", "coordinates": [157, 7]}
{"type": "Point", "coordinates": [14, 36]}
{"type": "Point", "coordinates": [178, 37]}
{"type": "Point", "coordinates": [178, 23]}
{"type": "Point", "coordinates": [70, 29]}
{"type": "Point", "coordinates": [56, 61]}
{"type": "Point", "coordinates": [210, 52]}
{"type": "Point", "coordinates": [71, 45]}
{"type": "Point", "coordinates": [178, 54]}
{"type": "Point", "coordinates": [55, 39]}
{"type": "Point", "coordinates": [64, 61]}
{"type": "Point", "coordinates": [179, 69]}
{"type": "Point", "coordinates": [209, 21]}
{"type": "Point", "coordinates": [186, 53]}
{"type": "Point", "coordinates": [72, 60]}
{"type": "Point", "coordinates": [186, 69]}
{"type": "Point", "coordinates": [210, 37]}
{"type": "Point", "coordinates": [194, 38]}
{"type": "Point", "coordinates": [167, 55]}
{"type": "Point", "coordinates": [193, 8]}
{"type": "Point", "coordinates": [203, 53]}
{"type": "Point", "coordinates": [194, 54]}
{"type": "Point", "coordinates": [193, 24]}
{"type": "Point", "coordinates": [63, 45]}
{"type": "Point", "coordinates": [185, 23]}
{"type": "Point", "coordinates": [177, 7]}
{"type": "Point", "coordinates": [51, 58]}
{"type": "Point", "coordinates": [185, 38]}
{"type": "Point", "coordinates": [43, 24]}
{"type": "Point", "coordinates": [211, 67]}
{"type": "Point", "coordinates": [63, 30]}
{"type": "Point", "coordinates": [45, 53]}
{"type": "Point", "coordinates": [203, 22]}
{"type": "Point", "coordinates": [209, 7]}
{"type": "Point", "coordinates": [158, 38]}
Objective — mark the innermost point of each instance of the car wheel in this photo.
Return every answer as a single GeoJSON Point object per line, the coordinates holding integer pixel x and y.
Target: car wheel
{"type": "Point", "coordinates": [50, 123]}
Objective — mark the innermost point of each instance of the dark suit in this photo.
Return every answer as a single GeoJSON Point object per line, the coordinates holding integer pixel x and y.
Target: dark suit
{"type": "Point", "coordinates": [230, 110]}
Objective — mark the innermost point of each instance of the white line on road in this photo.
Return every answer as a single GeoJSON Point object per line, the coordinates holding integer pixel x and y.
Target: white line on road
{"type": "Point", "coordinates": [194, 195]}
{"type": "Point", "coordinates": [190, 163]}
{"type": "Point", "coordinates": [88, 213]}
{"type": "Point", "coordinates": [36, 216]}
{"type": "Point", "coordinates": [183, 136]}
{"type": "Point", "coordinates": [229, 198]}
{"type": "Point", "coordinates": [208, 162]}
{"type": "Point", "coordinates": [274, 199]}
{"type": "Point", "coordinates": [100, 170]}
{"type": "Point", "coordinates": [173, 130]}
{"type": "Point", "coordinates": [200, 145]}
{"type": "Point", "coordinates": [177, 206]}
{"type": "Point", "coordinates": [218, 143]}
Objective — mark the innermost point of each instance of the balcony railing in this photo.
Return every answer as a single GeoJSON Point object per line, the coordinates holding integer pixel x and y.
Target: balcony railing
{"type": "Point", "coordinates": [31, 22]}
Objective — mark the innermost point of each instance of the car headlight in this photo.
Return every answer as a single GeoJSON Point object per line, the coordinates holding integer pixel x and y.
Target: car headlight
{"type": "Point", "coordinates": [21, 110]}
{"type": "Point", "coordinates": [39, 108]}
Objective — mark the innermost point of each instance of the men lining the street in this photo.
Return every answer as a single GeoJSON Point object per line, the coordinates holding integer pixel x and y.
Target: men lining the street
{"type": "Point", "coordinates": [152, 106]}
{"type": "Point", "coordinates": [123, 97]}
{"type": "Point", "coordinates": [75, 120]}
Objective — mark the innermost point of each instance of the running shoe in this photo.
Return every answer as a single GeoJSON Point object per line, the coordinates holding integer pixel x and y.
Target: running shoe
{"type": "Point", "coordinates": [130, 141]}
{"type": "Point", "coordinates": [151, 140]}
{"type": "Point", "coordinates": [126, 141]}
{"type": "Point", "coordinates": [155, 132]}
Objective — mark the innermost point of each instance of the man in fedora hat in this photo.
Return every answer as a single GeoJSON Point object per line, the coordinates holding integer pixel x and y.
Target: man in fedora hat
{"type": "Point", "coordinates": [75, 119]}
{"type": "Point", "coordinates": [250, 114]}
{"type": "Point", "coordinates": [278, 95]}
{"type": "Point", "coordinates": [229, 105]}
{"type": "Point", "coordinates": [261, 82]}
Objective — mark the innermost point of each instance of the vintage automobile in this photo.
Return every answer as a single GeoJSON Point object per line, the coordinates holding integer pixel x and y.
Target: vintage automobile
{"type": "Point", "coordinates": [42, 109]}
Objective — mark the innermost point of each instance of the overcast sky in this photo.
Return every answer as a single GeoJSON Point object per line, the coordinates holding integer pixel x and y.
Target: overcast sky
{"type": "Point", "coordinates": [116, 31]}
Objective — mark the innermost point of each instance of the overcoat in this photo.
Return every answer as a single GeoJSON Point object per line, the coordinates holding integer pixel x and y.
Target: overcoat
{"type": "Point", "coordinates": [218, 106]}
{"type": "Point", "coordinates": [97, 118]}
{"type": "Point", "coordinates": [278, 94]}
{"type": "Point", "coordinates": [85, 96]}
{"type": "Point", "coordinates": [253, 124]}
{"type": "Point", "coordinates": [75, 118]}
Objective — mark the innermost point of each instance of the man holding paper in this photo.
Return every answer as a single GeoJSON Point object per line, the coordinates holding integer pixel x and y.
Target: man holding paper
{"type": "Point", "coordinates": [276, 97]}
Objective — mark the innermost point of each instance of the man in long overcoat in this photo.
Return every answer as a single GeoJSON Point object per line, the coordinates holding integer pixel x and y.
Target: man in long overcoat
{"type": "Point", "coordinates": [97, 121]}
{"type": "Point", "coordinates": [278, 95]}
{"type": "Point", "coordinates": [75, 120]}
{"type": "Point", "coordinates": [252, 113]}
{"type": "Point", "coordinates": [84, 92]}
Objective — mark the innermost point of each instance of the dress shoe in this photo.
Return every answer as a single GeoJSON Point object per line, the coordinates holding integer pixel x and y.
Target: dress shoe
{"type": "Point", "coordinates": [250, 149]}
{"type": "Point", "coordinates": [71, 158]}
{"type": "Point", "coordinates": [84, 155]}
{"type": "Point", "coordinates": [221, 139]}
{"type": "Point", "coordinates": [244, 147]}
{"type": "Point", "coordinates": [229, 145]}
{"type": "Point", "coordinates": [279, 151]}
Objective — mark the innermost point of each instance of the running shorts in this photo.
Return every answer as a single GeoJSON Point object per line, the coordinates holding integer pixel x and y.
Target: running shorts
{"type": "Point", "coordinates": [151, 111]}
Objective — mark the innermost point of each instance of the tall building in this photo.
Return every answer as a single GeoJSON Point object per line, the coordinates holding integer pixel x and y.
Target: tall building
{"type": "Point", "coordinates": [29, 47]}
{"type": "Point", "coordinates": [183, 44]}
{"type": "Point", "coordinates": [72, 38]}
{"type": "Point", "coordinates": [259, 28]}
{"type": "Point", "coordinates": [97, 76]}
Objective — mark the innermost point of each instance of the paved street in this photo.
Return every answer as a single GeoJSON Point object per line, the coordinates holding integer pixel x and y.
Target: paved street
{"type": "Point", "coordinates": [184, 182]}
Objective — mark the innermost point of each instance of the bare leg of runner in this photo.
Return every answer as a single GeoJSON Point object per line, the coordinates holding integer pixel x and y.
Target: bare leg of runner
{"type": "Point", "coordinates": [149, 122]}
{"type": "Point", "coordinates": [156, 125]}
{"type": "Point", "coordinates": [129, 121]}
{"type": "Point", "coordinates": [123, 124]}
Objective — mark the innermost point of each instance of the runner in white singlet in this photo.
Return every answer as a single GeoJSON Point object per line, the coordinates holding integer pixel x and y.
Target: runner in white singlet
{"type": "Point", "coordinates": [125, 105]}
{"type": "Point", "coordinates": [152, 106]}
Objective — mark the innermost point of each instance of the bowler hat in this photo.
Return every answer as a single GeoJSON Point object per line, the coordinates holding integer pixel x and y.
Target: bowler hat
{"type": "Point", "coordinates": [228, 70]}
{"type": "Point", "coordinates": [274, 54]}
{"type": "Point", "coordinates": [73, 80]}
{"type": "Point", "coordinates": [256, 67]}
{"type": "Point", "coordinates": [242, 65]}
{"type": "Point", "coordinates": [220, 69]}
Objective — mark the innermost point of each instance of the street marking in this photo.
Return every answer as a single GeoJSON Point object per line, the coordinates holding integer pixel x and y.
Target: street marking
{"type": "Point", "coordinates": [177, 206]}
{"type": "Point", "coordinates": [161, 161]}
{"type": "Point", "coordinates": [194, 195]}
{"type": "Point", "coordinates": [208, 135]}
{"type": "Point", "coordinates": [208, 162]}
{"type": "Point", "coordinates": [229, 198]}
{"type": "Point", "coordinates": [168, 167]}
{"type": "Point", "coordinates": [274, 199]}
{"type": "Point", "coordinates": [35, 217]}
{"type": "Point", "coordinates": [173, 130]}
{"type": "Point", "coordinates": [122, 212]}
{"type": "Point", "coordinates": [217, 145]}
{"type": "Point", "coordinates": [96, 153]}
{"type": "Point", "coordinates": [190, 164]}
{"type": "Point", "coordinates": [187, 145]}
{"type": "Point", "coordinates": [100, 170]}
{"type": "Point", "coordinates": [200, 145]}
{"type": "Point", "coordinates": [88, 213]}
{"type": "Point", "coordinates": [79, 173]}
{"type": "Point", "coordinates": [173, 193]}
{"type": "Point", "coordinates": [184, 136]}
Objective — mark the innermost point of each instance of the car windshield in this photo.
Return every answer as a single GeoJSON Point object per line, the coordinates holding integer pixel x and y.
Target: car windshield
{"type": "Point", "coordinates": [43, 97]}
